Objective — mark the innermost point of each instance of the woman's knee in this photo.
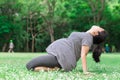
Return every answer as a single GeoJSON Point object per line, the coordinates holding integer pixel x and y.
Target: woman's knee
{"type": "Point", "coordinates": [29, 66]}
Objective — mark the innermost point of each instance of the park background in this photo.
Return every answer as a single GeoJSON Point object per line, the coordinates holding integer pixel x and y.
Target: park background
{"type": "Point", "coordinates": [34, 24]}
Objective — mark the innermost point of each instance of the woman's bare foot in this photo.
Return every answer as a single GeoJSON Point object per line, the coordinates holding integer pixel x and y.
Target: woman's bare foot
{"type": "Point", "coordinates": [45, 69]}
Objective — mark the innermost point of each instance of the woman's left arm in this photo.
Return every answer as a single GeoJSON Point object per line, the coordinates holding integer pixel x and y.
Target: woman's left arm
{"type": "Point", "coordinates": [84, 52]}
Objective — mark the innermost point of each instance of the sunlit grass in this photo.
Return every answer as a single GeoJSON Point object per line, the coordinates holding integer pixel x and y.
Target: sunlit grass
{"type": "Point", "coordinates": [12, 67]}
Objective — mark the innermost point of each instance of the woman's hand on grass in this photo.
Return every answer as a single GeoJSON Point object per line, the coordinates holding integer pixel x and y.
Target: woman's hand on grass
{"type": "Point", "coordinates": [88, 73]}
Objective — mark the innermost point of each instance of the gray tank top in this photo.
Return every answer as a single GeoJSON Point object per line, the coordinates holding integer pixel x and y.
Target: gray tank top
{"type": "Point", "coordinates": [68, 50]}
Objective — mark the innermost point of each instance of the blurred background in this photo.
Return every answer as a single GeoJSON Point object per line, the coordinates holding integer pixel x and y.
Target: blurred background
{"type": "Point", "coordinates": [33, 24]}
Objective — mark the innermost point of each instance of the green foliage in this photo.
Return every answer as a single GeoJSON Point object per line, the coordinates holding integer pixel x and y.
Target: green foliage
{"type": "Point", "coordinates": [21, 19]}
{"type": "Point", "coordinates": [4, 25]}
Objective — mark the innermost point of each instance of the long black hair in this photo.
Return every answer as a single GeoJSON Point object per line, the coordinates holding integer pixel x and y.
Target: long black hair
{"type": "Point", "coordinates": [97, 50]}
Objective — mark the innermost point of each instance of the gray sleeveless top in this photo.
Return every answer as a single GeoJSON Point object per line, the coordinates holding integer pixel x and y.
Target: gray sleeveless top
{"type": "Point", "coordinates": [68, 50]}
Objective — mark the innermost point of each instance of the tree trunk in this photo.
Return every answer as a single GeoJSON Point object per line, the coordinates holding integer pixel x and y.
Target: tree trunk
{"type": "Point", "coordinates": [31, 29]}
{"type": "Point", "coordinates": [4, 47]}
{"type": "Point", "coordinates": [7, 37]}
{"type": "Point", "coordinates": [27, 41]}
{"type": "Point", "coordinates": [51, 32]}
{"type": "Point", "coordinates": [33, 43]}
{"type": "Point", "coordinates": [51, 7]}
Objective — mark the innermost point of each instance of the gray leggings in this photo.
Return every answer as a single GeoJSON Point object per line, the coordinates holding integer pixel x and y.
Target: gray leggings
{"type": "Point", "coordinates": [43, 61]}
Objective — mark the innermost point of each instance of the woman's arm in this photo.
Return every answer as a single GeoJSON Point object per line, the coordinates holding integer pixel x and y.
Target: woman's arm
{"type": "Point", "coordinates": [84, 51]}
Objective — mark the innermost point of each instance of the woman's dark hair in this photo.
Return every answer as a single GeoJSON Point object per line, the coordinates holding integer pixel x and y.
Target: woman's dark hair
{"type": "Point", "coordinates": [97, 40]}
{"type": "Point", "coordinates": [100, 37]}
{"type": "Point", "coordinates": [96, 53]}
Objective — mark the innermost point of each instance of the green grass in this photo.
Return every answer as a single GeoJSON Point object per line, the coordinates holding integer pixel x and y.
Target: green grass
{"type": "Point", "coordinates": [12, 67]}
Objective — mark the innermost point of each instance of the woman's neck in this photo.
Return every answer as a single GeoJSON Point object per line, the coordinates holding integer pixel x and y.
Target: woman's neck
{"type": "Point", "coordinates": [90, 32]}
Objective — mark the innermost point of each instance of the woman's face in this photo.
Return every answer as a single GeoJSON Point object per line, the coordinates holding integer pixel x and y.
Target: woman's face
{"type": "Point", "coordinates": [96, 30]}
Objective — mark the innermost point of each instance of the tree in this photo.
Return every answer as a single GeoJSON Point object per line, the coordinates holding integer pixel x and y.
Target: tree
{"type": "Point", "coordinates": [34, 24]}
{"type": "Point", "coordinates": [31, 15]}
{"type": "Point", "coordinates": [97, 8]}
{"type": "Point", "coordinates": [7, 13]}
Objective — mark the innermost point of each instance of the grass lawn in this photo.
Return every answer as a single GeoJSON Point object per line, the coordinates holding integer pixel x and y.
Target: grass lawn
{"type": "Point", "coordinates": [12, 67]}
